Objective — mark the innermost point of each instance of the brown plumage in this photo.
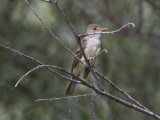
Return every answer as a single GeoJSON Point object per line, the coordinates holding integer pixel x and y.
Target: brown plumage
{"type": "Point", "coordinates": [78, 54]}
{"type": "Point", "coordinates": [91, 45]}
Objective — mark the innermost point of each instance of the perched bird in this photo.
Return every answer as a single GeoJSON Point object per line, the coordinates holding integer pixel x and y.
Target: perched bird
{"type": "Point", "coordinates": [91, 45]}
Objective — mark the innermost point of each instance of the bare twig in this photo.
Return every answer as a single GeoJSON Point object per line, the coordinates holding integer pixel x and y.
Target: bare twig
{"type": "Point", "coordinates": [116, 87]}
{"type": "Point", "coordinates": [50, 31]}
{"type": "Point", "coordinates": [60, 98]}
{"type": "Point", "coordinates": [20, 53]}
{"type": "Point", "coordinates": [111, 32]}
{"type": "Point", "coordinates": [65, 17]}
{"type": "Point", "coordinates": [49, 66]}
{"type": "Point", "coordinates": [92, 106]}
{"type": "Point", "coordinates": [41, 65]}
{"type": "Point", "coordinates": [120, 90]}
{"type": "Point", "coordinates": [49, 1]}
{"type": "Point", "coordinates": [130, 105]}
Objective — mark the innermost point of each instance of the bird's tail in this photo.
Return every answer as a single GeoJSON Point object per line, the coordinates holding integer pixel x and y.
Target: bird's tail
{"type": "Point", "coordinates": [70, 89]}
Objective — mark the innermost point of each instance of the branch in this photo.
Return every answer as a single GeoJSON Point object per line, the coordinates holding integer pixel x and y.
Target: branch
{"type": "Point", "coordinates": [61, 98]}
{"type": "Point", "coordinates": [120, 90]}
{"type": "Point", "coordinates": [55, 3]}
{"type": "Point", "coordinates": [49, 66]}
{"type": "Point", "coordinates": [38, 62]}
{"type": "Point", "coordinates": [50, 31]}
{"type": "Point", "coordinates": [111, 32]}
{"type": "Point", "coordinates": [92, 106]}
{"type": "Point", "coordinates": [79, 36]}
{"type": "Point", "coordinates": [130, 105]}
{"type": "Point", "coordinates": [78, 40]}
{"type": "Point", "coordinates": [92, 87]}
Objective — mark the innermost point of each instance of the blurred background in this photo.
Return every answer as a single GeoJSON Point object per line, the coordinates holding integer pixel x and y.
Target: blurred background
{"type": "Point", "coordinates": [132, 62]}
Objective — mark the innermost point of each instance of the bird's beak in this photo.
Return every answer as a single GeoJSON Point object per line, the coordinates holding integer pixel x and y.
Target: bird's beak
{"type": "Point", "coordinates": [103, 29]}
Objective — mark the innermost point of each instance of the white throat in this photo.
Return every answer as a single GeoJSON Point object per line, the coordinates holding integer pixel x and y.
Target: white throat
{"type": "Point", "coordinates": [95, 36]}
{"type": "Point", "coordinates": [93, 46]}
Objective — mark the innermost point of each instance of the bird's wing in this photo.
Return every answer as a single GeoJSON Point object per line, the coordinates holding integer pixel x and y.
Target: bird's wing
{"type": "Point", "coordinates": [78, 54]}
{"type": "Point", "coordinates": [86, 72]}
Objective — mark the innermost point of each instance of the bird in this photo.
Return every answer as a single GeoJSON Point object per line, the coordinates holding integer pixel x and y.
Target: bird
{"type": "Point", "coordinates": [91, 45]}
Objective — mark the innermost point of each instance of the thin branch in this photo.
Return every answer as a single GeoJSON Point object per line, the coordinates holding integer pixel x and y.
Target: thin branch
{"type": "Point", "coordinates": [49, 1]}
{"type": "Point", "coordinates": [130, 105]}
{"type": "Point", "coordinates": [92, 87]}
{"type": "Point", "coordinates": [133, 106]}
{"type": "Point", "coordinates": [65, 17]}
{"type": "Point", "coordinates": [78, 40]}
{"type": "Point", "coordinates": [116, 87]}
{"type": "Point", "coordinates": [92, 106]}
{"type": "Point", "coordinates": [38, 62]}
{"type": "Point", "coordinates": [61, 98]}
{"type": "Point", "coordinates": [20, 53]}
{"type": "Point", "coordinates": [50, 31]}
{"type": "Point", "coordinates": [48, 66]}
{"type": "Point", "coordinates": [111, 32]}
{"type": "Point", "coordinates": [120, 90]}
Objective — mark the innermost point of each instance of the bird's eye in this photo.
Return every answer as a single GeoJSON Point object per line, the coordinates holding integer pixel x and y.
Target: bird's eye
{"type": "Point", "coordinates": [94, 28]}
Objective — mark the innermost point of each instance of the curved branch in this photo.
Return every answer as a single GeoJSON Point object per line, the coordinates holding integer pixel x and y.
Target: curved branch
{"type": "Point", "coordinates": [111, 32]}
{"type": "Point", "coordinates": [103, 93]}
{"type": "Point", "coordinates": [49, 66]}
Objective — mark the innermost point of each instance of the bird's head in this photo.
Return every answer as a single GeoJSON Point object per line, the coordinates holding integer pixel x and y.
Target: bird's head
{"type": "Point", "coordinates": [92, 28]}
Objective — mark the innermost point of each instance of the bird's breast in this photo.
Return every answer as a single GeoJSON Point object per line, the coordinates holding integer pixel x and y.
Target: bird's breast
{"type": "Point", "coordinates": [93, 48]}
